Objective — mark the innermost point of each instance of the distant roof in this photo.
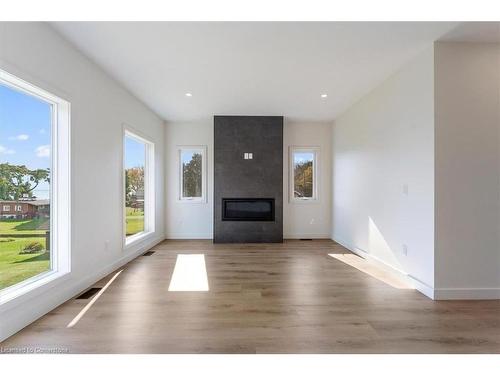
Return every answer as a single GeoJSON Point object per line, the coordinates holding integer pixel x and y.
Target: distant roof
{"type": "Point", "coordinates": [41, 202]}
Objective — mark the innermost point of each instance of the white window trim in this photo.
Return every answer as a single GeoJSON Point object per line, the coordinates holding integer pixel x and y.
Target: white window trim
{"type": "Point", "coordinates": [6, 208]}
{"type": "Point", "coordinates": [149, 188]}
{"type": "Point", "coordinates": [60, 192]}
{"type": "Point", "coordinates": [291, 181]}
{"type": "Point", "coordinates": [203, 198]}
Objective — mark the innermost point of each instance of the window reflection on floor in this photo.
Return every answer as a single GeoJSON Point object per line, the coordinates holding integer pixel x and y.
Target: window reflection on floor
{"type": "Point", "coordinates": [386, 276]}
{"type": "Point", "coordinates": [190, 274]}
{"type": "Point", "coordinates": [87, 307]}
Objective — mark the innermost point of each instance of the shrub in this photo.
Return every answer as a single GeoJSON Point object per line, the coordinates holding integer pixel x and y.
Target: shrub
{"type": "Point", "coordinates": [32, 248]}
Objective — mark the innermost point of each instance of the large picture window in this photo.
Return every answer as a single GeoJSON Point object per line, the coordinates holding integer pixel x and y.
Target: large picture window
{"type": "Point", "coordinates": [192, 180]}
{"type": "Point", "coordinates": [34, 185]}
{"type": "Point", "coordinates": [139, 186]}
{"type": "Point", "coordinates": [303, 173]}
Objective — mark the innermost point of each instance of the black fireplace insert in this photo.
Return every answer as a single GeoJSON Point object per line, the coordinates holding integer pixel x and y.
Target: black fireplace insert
{"type": "Point", "coordinates": [248, 209]}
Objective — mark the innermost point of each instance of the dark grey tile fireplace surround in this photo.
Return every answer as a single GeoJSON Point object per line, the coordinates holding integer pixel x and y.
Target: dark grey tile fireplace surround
{"type": "Point", "coordinates": [248, 179]}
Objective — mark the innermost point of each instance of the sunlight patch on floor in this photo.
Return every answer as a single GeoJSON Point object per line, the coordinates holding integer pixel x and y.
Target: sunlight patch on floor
{"type": "Point", "coordinates": [386, 276]}
{"type": "Point", "coordinates": [92, 301]}
{"type": "Point", "coordinates": [190, 274]}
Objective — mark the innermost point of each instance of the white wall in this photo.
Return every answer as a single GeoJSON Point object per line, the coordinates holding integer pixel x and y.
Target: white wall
{"type": "Point", "coordinates": [308, 219]}
{"type": "Point", "coordinates": [467, 170]}
{"type": "Point", "coordinates": [186, 220]}
{"type": "Point", "coordinates": [37, 54]}
{"type": "Point", "coordinates": [380, 145]}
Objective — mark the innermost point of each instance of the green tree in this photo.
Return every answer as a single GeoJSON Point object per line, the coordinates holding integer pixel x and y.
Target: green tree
{"type": "Point", "coordinates": [191, 173]}
{"type": "Point", "coordinates": [303, 176]}
{"type": "Point", "coordinates": [17, 181]}
{"type": "Point", "coordinates": [134, 183]}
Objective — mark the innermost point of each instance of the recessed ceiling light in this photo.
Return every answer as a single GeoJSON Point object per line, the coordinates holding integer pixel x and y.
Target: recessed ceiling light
{"type": "Point", "coordinates": [324, 96]}
{"type": "Point", "coordinates": [189, 94]}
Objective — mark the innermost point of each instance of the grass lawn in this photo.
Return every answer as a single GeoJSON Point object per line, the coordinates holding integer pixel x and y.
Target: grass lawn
{"type": "Point", "coordinates": [134, 220]}
{"type": "Point", "coordinates": [15, 267]}
{"type": "Point", "coordinates": [15, 226]}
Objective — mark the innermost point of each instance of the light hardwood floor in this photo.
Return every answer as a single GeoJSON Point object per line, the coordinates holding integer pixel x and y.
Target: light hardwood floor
{"type": "Point", "coordinates": [265, 298]}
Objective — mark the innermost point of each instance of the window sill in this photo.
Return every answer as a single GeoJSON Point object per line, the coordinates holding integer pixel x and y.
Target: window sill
{"type": "Point", "coordinates": [137, 238]}
{"type": "Point", "coordinates": [15, 291]}
{"type": "Point", "coordinates": [304, 201]}
{"type": "Point", "coordinates": [192, 201]}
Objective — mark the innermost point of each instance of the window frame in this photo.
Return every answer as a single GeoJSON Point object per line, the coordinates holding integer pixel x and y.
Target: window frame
{"type": "Point", "coordinates": [60, 188]}
{"type": "Point", "coordinates": [149, 187]}
{"type": "Point", "coordinates": [315, 150]}
{"type": "Point", "coordinates": [180, 176]}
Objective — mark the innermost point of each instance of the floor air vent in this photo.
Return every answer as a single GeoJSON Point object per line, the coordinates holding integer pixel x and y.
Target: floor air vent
{"type": "Point", "coordinates": [89, 293]}
{"type": "Point", "coordinates": [306, 239]}
{"type": "Point", "coordinates": [148, 253]}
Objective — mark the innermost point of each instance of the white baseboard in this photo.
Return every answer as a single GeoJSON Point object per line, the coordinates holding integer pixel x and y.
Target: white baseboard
{"type": "Point", "coordinates": [298, 236]}
{"type": "Point", "coordinates": [189, 236]}
{"type": "Point", "coordinates": [19, 315]}
{"type": "Point", "coordinates": [422, 287]}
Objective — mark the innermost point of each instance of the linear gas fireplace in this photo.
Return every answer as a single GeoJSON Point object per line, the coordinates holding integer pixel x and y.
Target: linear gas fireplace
{"type": "Point", "coordinates": [248, 209]}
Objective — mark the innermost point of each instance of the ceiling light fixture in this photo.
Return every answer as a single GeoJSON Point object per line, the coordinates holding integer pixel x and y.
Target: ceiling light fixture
{"type": "Point", "coordinates": [324, 96]}
{"type": "Point", "coordinates": [188, 94]}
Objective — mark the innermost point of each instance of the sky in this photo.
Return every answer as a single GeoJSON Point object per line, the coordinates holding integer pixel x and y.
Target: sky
{"type": "Point", "coordinates": [135, 153]}
{"type": "Point", "coordinates": [187, 156]}
{"type": "Point", "coordinates": [25, 123]}
{"type": "Point", "coordinates": [302, 157]}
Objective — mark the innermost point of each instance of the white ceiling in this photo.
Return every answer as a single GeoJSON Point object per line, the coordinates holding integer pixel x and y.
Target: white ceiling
{"type": "Point", "coordinates": [251, 68]}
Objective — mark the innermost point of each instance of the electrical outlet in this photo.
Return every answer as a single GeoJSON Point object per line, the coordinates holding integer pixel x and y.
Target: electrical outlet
{"type": "Point", "coordinates": [311, 222]}
{"type": "Point", "coordinates": [405, 250]}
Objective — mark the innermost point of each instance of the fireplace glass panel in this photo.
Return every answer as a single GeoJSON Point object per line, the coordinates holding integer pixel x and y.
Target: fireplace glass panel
{"type": "Point", "coordinates": [248, 209]}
